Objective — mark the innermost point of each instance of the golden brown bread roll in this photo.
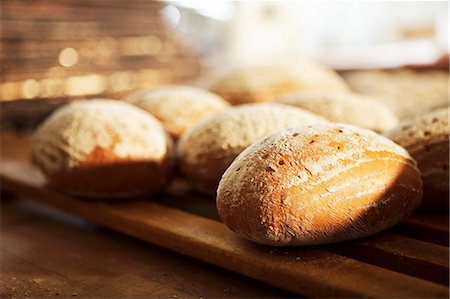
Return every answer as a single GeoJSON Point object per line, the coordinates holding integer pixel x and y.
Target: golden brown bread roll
{"type": "Point", "coordinates": [426, 138]}
{"type": "Point", "coordinates": [207, 149]}
{"type": "Point", "coordinates": [103, 149]}
{"type": "Point", "coordinates": [318, 184]}
{"type": "Point", "coordinates": [349, 108]}
{"type": "Point", "coordinates": [178, 107]}
{"type": "Point", "coordinates": [262, 83]}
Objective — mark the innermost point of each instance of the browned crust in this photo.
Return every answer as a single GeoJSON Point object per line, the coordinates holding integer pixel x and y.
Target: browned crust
{"type": "Point", "coordinates": [206, 173]}
{"type": "Point", "coordinates": [104, 175]}
{"type": "Point", "coordinates": [382, 188]}
{"type": "Point", "coordinates": [433, 162]}
{"type": "Point", "coordinates": [426, 138]}
{"type": "Point", "coordinates": [206, 150]}
{"type": "Point", "coordinates": [243, 97]}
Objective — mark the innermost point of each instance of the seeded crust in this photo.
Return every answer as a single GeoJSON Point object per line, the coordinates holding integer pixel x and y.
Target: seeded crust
{"type": "Point", "coordinates": [262, 83]}
{"type": "Point", "coordinates": [318, 184]}
{"type": "Point", "coordinates": [103, 149]}
{"type": "Point", "coordinates": [426, 138]}
{"type": "Point", "coordinates": [207, 149]}
{"type": "Point", "coordinates": [178, 107]}
{"type": "Point", "coordinates": [348, 108]}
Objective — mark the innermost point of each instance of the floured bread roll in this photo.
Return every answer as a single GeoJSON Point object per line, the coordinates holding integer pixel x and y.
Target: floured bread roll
{"type": "Point", "coordinates": [104, 149]}
{"type": "Point", "coordinates": [436, 105]}
{"type": "Point", "coordinates": [426, 138]}
{"type": "Point", "coordinates": [262, 83]}
{"type": "Point", "coordinates": [178, 107]}
{"type": "Point", "coordinates": [207, 149]}
{"type": "Point", "coordinates": [348, 108]}
{"type": "Point", "coordinates": [404, 91]}
{"type": "Point", "coordinates": [320, 184]}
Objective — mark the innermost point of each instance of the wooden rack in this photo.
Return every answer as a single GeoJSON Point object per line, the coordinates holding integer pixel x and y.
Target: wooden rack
{"type": "Point", "coordinates": [56, 51]}
{"type": "Point", "coordinates": [409, 260]}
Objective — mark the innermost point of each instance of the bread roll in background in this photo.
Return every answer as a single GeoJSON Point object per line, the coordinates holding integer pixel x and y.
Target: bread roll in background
{"type": "Point", "coordinates": [426, 138]}
{"type": "Point", "coordinates": [207, 149]}
{"type": "Point", "coordinates": [350, 108]}
{"type": "Point", "coordinates": [262, 83]}
{"type": "Point", "coordinates": [405, 91]}
{"type": "Point", "coordinates": [178, 107]}
{"type": "Point", "coordinates": [436, 105]}
{"type": "Point", "coordinates": [318, 184]}
{"type": "Point", "coordinates": [103, 149]}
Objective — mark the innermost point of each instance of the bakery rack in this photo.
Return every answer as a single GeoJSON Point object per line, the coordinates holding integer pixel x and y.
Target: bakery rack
{"type": "Point", "coordinates": [410, 260]}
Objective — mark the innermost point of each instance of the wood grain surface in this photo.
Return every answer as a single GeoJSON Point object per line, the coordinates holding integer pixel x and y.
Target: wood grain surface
{"type": "Point", "coordinates": [389, 264]}
{"type": "Point", "coordinates": [45, 253]}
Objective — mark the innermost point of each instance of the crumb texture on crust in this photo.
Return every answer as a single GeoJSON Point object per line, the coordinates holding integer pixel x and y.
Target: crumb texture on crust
{"type": "Point", "coordinates": [359, 110]}
{"type": "Point", "coordinates": [178, 107]}
{"type": "Point", "coordinates": [261, 83]}
{"type": "Point", "coordinates": [76, 131]}
{"type": "Point", "coordinates": [207, 149]}
{"type": "Point", "coordinates": [321, 184]}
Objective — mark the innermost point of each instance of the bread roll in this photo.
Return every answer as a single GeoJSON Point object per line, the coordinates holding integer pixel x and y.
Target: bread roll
{"type": "Point", "coordinates": [436, 105]}
{"type": "Point", "coordinates": [207, 149]}
{"type": "Point", "coordinates": [318, 184]}
{"type": "Point", "coordinates": [426, 138]}
{"type": "Point", "coordinates": [262, 83]}
{"type": "Point", "coordinates": [103, 149]}
{"type": "Point", "coordinates": [348, 108]}
{"type": "Point", "coordinates": [405, 92]}
{"type": "Point", "coordinates": [178, 107]}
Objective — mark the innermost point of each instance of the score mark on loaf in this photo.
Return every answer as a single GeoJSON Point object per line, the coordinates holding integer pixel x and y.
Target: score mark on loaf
{"type": "Point", "coordinates": [318, 184]}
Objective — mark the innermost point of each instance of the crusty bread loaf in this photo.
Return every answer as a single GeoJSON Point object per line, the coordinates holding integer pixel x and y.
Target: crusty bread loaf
{"type": "Point", "coordinates": [207, 149]}
{"type": "Point", "coordinates": [318, 184]}
{"type": "Point", "coordinates": [350, 108]}
{"type": "Point", "coordinates": [103, 148]}
{"type": "Point", "coordinates": [262, 83]}
{"type": "Point", "coordinates": [178, 107]}
{"type": "Point", "coordinates": [426, 138]}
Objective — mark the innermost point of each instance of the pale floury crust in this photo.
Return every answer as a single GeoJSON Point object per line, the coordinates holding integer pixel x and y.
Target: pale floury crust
{"type": "Point", "coordinates": [350, 108]}
{"type": "Point", "coordinates": [262, 83]}
{"type": "Point", "coordinates": [426, 137]}
{"type": "Point", "coordinates": [406, 92]}
{"type": "Point", "coordinates": [178, 107]}
{"type": "Point", "coordinates": [436, 105]}
{"type": "Point", "coordinates": [207, 149]}
{"type": "Point", "coordinates": [97, 136]}
{"type": "Point", "coordinates": [318, 184]}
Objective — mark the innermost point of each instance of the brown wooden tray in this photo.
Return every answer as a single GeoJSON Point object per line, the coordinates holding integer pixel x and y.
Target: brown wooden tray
{"type": "Point", "coordinates": [409, 260]}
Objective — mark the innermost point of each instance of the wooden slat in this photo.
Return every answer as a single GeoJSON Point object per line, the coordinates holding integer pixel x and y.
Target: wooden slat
{"type": "Point", "coordinates": [429, 228]}
{"type": "Point", "coordinates": [307, 271]}
{"type": "Point", "coordinates": [386, 249]}
{"type": "Point", "coordinates": [40, 72]}
{"type": "Point", "coordinates": [434, 222]}
{"type": "Point", "coordinates": [417, 258]}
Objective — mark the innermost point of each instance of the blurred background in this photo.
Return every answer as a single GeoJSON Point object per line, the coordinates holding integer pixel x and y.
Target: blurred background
{"type": "Point", "coordinates": [56, 51]}
{"type": "Point", "coordinates": [344, 35]}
